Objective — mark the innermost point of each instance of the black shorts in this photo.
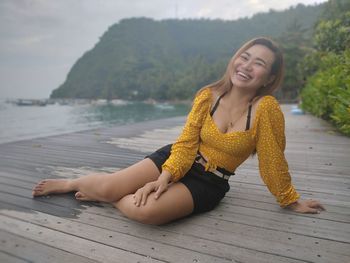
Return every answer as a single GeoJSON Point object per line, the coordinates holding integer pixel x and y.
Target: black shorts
{"type": "Point", "coordinates": [206, 188]}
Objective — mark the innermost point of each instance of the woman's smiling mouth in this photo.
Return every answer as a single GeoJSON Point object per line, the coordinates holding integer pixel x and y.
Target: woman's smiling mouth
{"type": "Point", "coordinates": [243, 75]}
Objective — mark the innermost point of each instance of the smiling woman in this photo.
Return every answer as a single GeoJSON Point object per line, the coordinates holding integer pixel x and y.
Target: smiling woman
{"type": "Point", "coordinates": [191, 175]}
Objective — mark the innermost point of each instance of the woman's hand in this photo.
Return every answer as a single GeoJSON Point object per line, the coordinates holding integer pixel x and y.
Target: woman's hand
{"type": "Point", "coordinates": [307, 206]}
{"type": "Point", "coordinates": [159, 186]}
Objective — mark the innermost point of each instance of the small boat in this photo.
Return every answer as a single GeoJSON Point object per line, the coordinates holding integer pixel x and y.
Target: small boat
{"type": "Point", "coordinates": [164, 106]}
{"type": "Point", "coordinates": [28, 102]}
{"type": "Point", "coordinates": [296, 110]}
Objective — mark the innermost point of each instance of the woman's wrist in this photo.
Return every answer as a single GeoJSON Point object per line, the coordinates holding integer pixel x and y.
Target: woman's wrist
{"type": "Point", "coordinates": [293, 205]}
{"type": "Point", "coordinates": [165, 175]}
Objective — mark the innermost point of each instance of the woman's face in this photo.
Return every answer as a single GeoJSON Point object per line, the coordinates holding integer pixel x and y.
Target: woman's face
{"type": "Point", "coordinates": [251, 69]}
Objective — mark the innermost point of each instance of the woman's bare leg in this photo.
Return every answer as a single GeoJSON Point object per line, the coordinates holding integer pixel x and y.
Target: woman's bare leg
{"type": "Point", "coordinates": [103, 187]}
{"type": "Point", "coordinates": [176, 202]}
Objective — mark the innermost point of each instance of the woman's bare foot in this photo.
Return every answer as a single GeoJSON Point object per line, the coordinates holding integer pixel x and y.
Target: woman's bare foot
{"type": "Point", "coordinates": [83, 197]}
{"type": "Point", "coordinates": [52, 186]}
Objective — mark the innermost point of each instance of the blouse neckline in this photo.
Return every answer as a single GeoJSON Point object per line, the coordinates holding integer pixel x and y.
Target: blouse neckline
{"type": "Point", "coordinates": [235, 131]}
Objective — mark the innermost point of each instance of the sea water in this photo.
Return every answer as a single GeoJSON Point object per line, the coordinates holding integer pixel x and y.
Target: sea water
{"type": "Point", "coordinates": [27, 122]}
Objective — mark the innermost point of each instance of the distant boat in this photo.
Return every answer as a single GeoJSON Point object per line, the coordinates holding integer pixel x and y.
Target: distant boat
{"type": "Point", "coordinates": [118, 102]}
{"type": "Point", "coordinates": [296, 110]}
{"type": "Point", "coordinates": [28, 102]}
{"type": "Point", "coordinates": [164, 106]}
{"type": "Point", "coordinates": [99, 102]}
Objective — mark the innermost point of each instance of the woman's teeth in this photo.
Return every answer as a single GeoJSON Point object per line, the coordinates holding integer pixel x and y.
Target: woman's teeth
{"type": "Point", "coordinates": [245, 76]}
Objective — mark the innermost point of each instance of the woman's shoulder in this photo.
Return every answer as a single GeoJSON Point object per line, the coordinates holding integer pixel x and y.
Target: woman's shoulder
{"type": "Point", "coordinates": [204, 92]}
{"type": "Point", "coordinates": [267, 103]}
{"type": "Point", "coordinates": [203, 96]}
{"type": "Point", "coordinates": [268, 100]}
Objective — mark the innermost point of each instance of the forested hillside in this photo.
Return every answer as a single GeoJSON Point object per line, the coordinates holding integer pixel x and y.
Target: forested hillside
{"type": "Point", "coordinates": [140, 58]}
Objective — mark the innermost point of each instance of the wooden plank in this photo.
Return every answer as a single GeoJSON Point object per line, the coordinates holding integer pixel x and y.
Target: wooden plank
{"type": "Point", "coordinates": [6, 257]}
{"type": "Point", "coordinates": [34, 251]}
{"type": "Point", "coordinates": [334, 212]}
{"type": "Point", "coordinates": [241, 240]}
{"type": "Point", "coordinates": [44, 223]}
{"type": "Point", "coordinates": [232, 228]}
{"type": "Point", "coordinates": [341, 183]}
{"type": "Point", "coordinates": [261, 191]}
{"type": "Point", "coordinates": [237, 235]}
{"type": "Point", "coordinates": [310, 190]}
{"type": "Point", "coordinates": [245, 173]}
{"type": "Point", "coordinates": [67, 242]}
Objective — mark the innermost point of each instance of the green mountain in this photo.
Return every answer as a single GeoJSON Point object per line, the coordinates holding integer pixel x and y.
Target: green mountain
{"type": "Point", "coordinates": [140, 58]}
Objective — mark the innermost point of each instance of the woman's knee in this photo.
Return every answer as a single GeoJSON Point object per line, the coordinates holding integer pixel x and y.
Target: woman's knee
{"type": "Point", "coordinates": [146, 214]}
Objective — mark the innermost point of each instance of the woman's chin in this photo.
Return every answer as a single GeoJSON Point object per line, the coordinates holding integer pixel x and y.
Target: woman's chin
{"type": "Point", "coordinates": [244, 88]}
{"type": "Point", "coordinates": [240, 84]}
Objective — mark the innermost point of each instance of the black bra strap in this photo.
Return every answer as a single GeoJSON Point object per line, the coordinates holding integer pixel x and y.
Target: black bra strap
{"type": "Point", "coordinates": [248, 117]}
{"type": "Point", "coordinates": [217, 104]}
{"type": "Point", "coordinates": [249, 110]}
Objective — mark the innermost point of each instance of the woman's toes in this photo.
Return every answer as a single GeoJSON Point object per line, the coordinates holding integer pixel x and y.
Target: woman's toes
{"type": "Point", "coordinates": [82, 197]}
{"type": "Point", "coordinates": [52, 186]}
{"type": "Point", "coordinates": [42, 182]}
{"type": "Point", "coordinates": [36, 192]}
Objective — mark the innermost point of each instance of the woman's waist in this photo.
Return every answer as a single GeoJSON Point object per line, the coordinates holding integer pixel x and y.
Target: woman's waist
{"type": "Point", "coordinates": [216, 170]}
{"type": "Point", "coordinates": [216, 158]}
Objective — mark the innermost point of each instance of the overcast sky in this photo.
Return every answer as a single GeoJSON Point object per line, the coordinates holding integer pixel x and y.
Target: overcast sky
{"type": "Point", "coordinates": [41, 39]}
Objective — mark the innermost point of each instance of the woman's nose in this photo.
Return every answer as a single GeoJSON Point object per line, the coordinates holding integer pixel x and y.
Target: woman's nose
{"type": "Point", "coordinates": [247, 65]}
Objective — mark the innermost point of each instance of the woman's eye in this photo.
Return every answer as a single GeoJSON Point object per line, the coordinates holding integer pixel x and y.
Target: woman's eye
{"type": "Point", "coordinates": [244, 58]}
{"type": "Point", "coordinates": [260, 64]}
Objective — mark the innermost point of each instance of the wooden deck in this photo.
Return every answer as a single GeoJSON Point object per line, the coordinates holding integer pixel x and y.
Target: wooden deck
{"type": "Point", "coordinates": [248, 226]}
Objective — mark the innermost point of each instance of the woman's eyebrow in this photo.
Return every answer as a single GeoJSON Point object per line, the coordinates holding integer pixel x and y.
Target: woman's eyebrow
{"type": "Point", "coordinates": [260, 59]}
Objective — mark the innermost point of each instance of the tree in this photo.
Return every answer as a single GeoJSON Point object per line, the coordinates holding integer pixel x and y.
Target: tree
{"type": "Point", "coordinates": [295, 45]}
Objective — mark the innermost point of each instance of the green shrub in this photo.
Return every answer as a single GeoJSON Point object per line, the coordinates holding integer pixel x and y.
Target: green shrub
{"type": "Point", "coordinates": [327, 92]}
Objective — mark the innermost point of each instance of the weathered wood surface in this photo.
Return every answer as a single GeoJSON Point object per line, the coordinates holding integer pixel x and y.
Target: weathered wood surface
{"type": "Point", "coordinates": [248, 225]}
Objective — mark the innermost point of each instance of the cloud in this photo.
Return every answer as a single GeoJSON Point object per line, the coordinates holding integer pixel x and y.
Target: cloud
{"type": "Point", "coordinates": [39, 36]}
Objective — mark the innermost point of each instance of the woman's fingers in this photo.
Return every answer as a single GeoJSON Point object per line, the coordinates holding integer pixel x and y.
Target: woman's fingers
{"type": "Point", "coordinates": [307, 206]}
{"type": "Point", "coordinates": [317, 204]}
{"type": "Point", "coordinates": [137, 198]}
{"type": "Point", "coordinates": [161, 189]}
{"type": "Point", "coordinates": [312, 211]}
{"type": "Point", "coordinates": [145, 194]}
{"type": "Point", "coordinates": [140, 197]}
{"type": "Point", "coordinates": [314, 207]}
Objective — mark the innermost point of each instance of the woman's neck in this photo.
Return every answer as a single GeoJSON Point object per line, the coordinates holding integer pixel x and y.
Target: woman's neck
{"type": "Point", "coordinates": [239, 98]}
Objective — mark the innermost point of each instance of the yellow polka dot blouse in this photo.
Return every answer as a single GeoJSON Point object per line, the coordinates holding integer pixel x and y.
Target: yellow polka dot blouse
{"type": "Point", "coordinates": [229, 150]}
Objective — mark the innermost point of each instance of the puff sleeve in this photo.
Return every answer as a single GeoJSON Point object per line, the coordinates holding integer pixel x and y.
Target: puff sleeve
{"type": "Point", "coordinates": [184, 150]}
{"type": "Point", "coordinates": [270, 147]}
